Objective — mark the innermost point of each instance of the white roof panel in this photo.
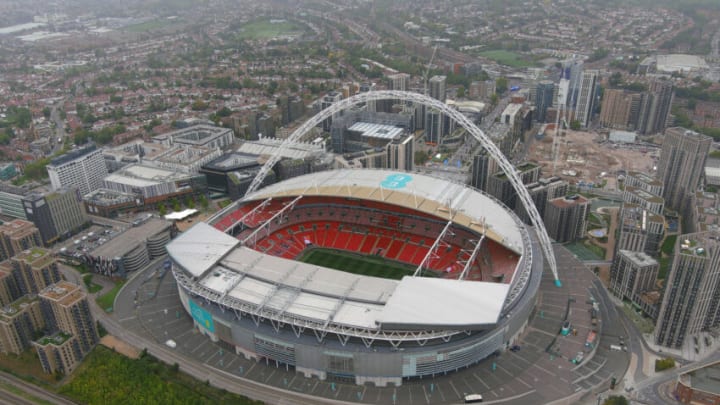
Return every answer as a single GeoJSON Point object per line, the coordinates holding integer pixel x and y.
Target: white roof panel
{"type": "Point", "coordinates": [313, 306]}
{"type": "Point", "coordinates": [200, 247]}
{"type": "Point", "coordinates": [358, 315]}
{"type": "Point", "coordinates": [252, 291]}
{"type": "Point", "coordinates": [418, 303]}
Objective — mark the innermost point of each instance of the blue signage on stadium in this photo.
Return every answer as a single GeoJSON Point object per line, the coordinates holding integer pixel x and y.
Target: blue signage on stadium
{"type": "Point", "coordinates": [202, 317]}
{"type": "Point", "coordinates": [396, 181]}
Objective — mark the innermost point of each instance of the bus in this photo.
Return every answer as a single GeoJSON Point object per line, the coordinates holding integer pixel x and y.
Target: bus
{"type": "Point", "coordinates": [473, 398]}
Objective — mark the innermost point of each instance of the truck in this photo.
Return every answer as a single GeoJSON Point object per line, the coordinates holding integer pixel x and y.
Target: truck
{"type": "Point", "coordinates": [590, 341]}
{"type": "Point", "coordinates": [616, 348]}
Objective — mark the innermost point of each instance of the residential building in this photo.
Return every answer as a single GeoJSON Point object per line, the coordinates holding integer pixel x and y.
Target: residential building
{"type": "Point", "coordinates": [541, 192]}
{"type": "Point", "coordinates": [587, 95]}
{"type": "Point", "coordinates": [57, 214]}
{"type": "Point", "coordinates": [58, 353]}
{"type": "Point", "coordinates": [635, 273]}
{"type": "Point", "coordinates": [291, 108]}
{"type": "Point", "coordinates": [17, 236]}
{"type": "Point", "coordinates": [83, 169]}
{"type": "Point", "coordinates": [499, 185]}
{"type": "Point", "coordinates": [19, 322]}
{"type": "Point", "coordinates": [566, 217]}
{"type": "Point", "coordinates": [617, 109]}
{"type": "Point", "coordinates": [483, 167]}
{"type": "Point", "coordinates": [647, 200]}
{"type": "Point", "coordinates": [691, 303]}
{"type": "Point", "coordinates": [401, 153]}
{"type": "Point", "coordinates": [701, 212]}
{"type": "Point", "coordinates": [654, 109]}
{"type": "Point", "coordinates": [645, 182]}
{"type": "Point", "coordinates": [65, 308]}
{"type": "Point", "coordinates": [154, 184]}
{"type": "Point", "coordinates": [328, 100]}
{"type": "Point", "coordinates": [31, 271]}
{"type": "Point", "coordinates": [437, 88]}
{"type": "Point", "coordinates": [640, 230]}
{"type": "Point", "coordinates": [681, 163]}
{"type": "Point", "coordinates": [544, 97]}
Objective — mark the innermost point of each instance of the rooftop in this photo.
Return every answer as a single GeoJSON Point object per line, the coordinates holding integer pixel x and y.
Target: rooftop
{"type": "Point", "coordinates": [378, 131]}
{"type": "Point", "coordinates": [56, 339]}
{"type": "Point", "coordinates": [72, 155]}
{"type": "Point", "coordinates": [130, 239]}
{"type": "Point", "coordinates": [232, 161]}
{"type": "Point", "coordinates": [569, 201]}
{"type": "Point", "coordinates": [60, 291]}
{"type": "Point", "coordinates": [705, 379]}
{"type": "Point", "coordinates": [140, 175]}
{"type": "Point", "coordinates": [107, 197]}
{"type": "Point", "coordinates": [9, 311]}
{"type": "Point", "coordinates": [36, 256]}
{"type": "Point", "coordinates": [196, 134]}
{"type": "Point", "coordinates": [640, 259]}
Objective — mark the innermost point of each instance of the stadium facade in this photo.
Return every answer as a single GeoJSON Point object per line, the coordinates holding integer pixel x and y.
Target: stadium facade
{"type": "Point", "coordinates": [476, 266]}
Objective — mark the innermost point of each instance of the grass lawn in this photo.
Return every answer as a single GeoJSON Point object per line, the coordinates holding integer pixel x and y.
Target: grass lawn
{"type": "Point", "coordinates": [263, 29]}
{"type": "Point", "coordinates": [507, 58]}
{"type": "Point", "coordinates": [665, 264]}
{"type": "Point", "coordinates": [668, 245]}
{"type": "Point", "coordinates": [106, 377]}
{"type": "Point", "coordinates": [147, 26]}
{"type": "Point", "coordinates": [27, 366]}
{"type": "Point", "coordinates": [374, 266]}
{"type": "Point", "coordinates": [644, 324]}
{"type": "Point", "coordinates": [107, 300]}
{"type": "Point", "coordinates": [586, 251]}
{"type": "Point", "coordinates": [92, 287]}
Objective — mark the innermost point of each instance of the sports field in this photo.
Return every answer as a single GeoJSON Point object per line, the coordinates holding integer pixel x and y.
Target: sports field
{"type": "Point", "coordinates": [374, 266]}
{"type": "Point", "coordinates": [507, 58]}
{"type": "Point", "coordinates": [264, 29]}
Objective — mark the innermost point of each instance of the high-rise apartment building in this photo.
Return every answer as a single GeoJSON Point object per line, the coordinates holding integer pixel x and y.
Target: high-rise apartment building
{"type": "Point", "coordinates": [635, 273]}
{"type": "Point", "coordinates": [329, 99]}
{"type": "Point", "coordinates": [566, 217]}
{"type": "Point", "coordinates": [499, 185]}
{"type": "Point", "coordinates": [401, 153]}
{"type": "Point", "coordinates": [437, 88]}
{"type": "Point", "coordinates": [31, 271]}
{"type": "Point", "coordinates": [544, 96]}
{"type": "Point", "coordinates": [58, 353]}
{"type": "Point", "coordinates": [654, 109]}
{"type": "Point", "coordinates": [19, 322]}
{"type": "Point", "coordinates": [483, 167]}
{"type": "Point", "coordinates": [691, 303]}
{"type": "Point", "coordinates": [640, 230]}
{"type": "Point", "coordinates": [619, 109]}
{"type": "Point", "coordinates": [645, 182]}
{"type": "Point", "coordinates": [17, 236]}
{"type": "Point", "coordinates": [586, 97]}
{"type": "Point", "coordinates": [647, 200]}
{"type": "Point", "coordinates": [398, 81]}
{"type": "Point", "coordinates": [681, 163]}
{"type": "Point", "coordinates": [66, 309]}
{"type": "Point", "coordinates": [83, 169]}
{"type": "Point", "coordinates": [541, 192]}
{"type": "Point", "coordinates": [57, 214]}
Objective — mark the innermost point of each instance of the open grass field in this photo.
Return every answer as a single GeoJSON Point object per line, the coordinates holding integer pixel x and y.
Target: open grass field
{"type": "Point", "coordinates": [106, 301]}
{"type": "Point", "coordinates": [263, 29]}
{"type": "Point", "coordinates": [147, 26]}
{"type": "Point", "coordinates": [507, 58]}
{"type": "Point", "coordinates": [374, 266]}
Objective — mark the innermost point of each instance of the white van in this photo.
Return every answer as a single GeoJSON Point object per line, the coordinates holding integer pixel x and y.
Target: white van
{"type": "Point", "coordinates": [473, 398]}
{"type": "Point", "coordinates": [616, 347]}
{"type": "Point", "coordinates": [171, 344]}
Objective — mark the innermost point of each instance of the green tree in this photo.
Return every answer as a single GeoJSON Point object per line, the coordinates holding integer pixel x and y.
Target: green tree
{"type": "Point", "coordinates": [47, 112]}
{"type": "Point", "coordinates": [494, 99]}
{"type": "Point", "coordinates": [203, 201]}
{"type": "Point", "coordinates": [199, 105]}
{"type": "Point", "coordinates": [175, 204]}
{"type": "Point", "coordinates": [189, 202]}
{"type": "Point", "coordinates": [616, 400]}
{"type": "Point", "coordinates": [162, 209]}
{"type": "Point", "coordinates": [37, 170]}
{"type": "Point", "coordinates": [664, 364]}
{"type": "Point", "coordinates": [501, 85]}
{"type": "Point", "coordinates": [575, 125]}
{"type": "Point", "coordinates": [461, 92]}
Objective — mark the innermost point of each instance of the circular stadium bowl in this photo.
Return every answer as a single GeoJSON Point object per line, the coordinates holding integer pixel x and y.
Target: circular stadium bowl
{"type": "Point", "coordinates": [361, 275]}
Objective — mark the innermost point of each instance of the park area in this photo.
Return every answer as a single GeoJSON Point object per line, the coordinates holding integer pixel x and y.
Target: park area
{"type": "Point", "coordinates": [106, 377]}
{"type": "Point", "coordinates": [356, 264]}
{"type": "Point", "coordinates": [507, 58]}
{"type": "Point", "coordinates": [266, 29]}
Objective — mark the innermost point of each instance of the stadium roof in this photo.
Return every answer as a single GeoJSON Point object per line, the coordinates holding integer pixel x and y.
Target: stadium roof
{"type": "Point", "coordinates": [200, 247]}
{"type": "Point", "coordinates": [278, 288]}
{"type": "Point", "coordinates": [419, 303]}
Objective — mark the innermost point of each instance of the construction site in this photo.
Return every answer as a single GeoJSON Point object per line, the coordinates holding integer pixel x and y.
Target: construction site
{"type": "Point", "coordinates": [588, 159]}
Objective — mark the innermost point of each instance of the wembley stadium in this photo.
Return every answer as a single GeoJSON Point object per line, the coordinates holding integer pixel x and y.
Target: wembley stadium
{"type": "Point", "coordinates": [361, 275]}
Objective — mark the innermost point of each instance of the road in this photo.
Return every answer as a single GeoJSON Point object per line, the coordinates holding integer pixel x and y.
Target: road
{"type": "Point", "coordinates": [60, 133]}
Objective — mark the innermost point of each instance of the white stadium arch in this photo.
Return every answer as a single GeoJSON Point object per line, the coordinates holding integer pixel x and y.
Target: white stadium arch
{"type": "Point", "coordinates": [458, 117]}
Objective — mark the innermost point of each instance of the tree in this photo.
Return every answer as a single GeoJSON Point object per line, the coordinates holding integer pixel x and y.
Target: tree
{"type": "Point", "coordinates": [616, 400]}
{"type": "Point", "coordinates": [175, 204]}
{"type": "Point", "coordinates": [189, 202]}
{"type": "Point", "coordinates": [664, 364]}
{"type": "Point", "coordinates": [575, 125]}
{"type": "Point", "coordinates": [494, 99]}
{"type": "Point", "coordinates": [461, 92]}
{"type": "Point", "coordinates": [501, 85]}
{"type": "Point", "coordinates": [162, 209]}
{"type": "Point", "coordinates": [47, 112]}
{"type": "Point", "coordinates": [199, 105]}
{"type": "Point", "coordinates": [203, 201]}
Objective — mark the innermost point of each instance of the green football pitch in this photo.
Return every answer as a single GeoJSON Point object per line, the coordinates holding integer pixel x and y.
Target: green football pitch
{"type": "Point", "coordinates": [374, 266]}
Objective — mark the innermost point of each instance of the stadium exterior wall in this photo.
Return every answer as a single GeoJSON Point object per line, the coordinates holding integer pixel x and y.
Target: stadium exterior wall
{"type": "Point", "coordinates": [353, 361]}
